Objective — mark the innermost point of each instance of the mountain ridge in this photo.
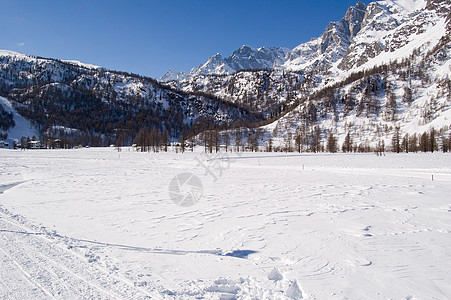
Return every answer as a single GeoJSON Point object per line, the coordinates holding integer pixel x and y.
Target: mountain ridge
{"type": "Point", "coordinates": [362, 79]}
{"type": "Point", "coordinates": [264, 57]}
{"type": "Point", "coordinates": [381, 71]}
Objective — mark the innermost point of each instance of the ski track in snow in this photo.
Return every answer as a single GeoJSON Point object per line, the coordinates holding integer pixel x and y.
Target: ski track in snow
{"type": "Point", "coordinates": [39, 265]}
{"type": "Point", "coordinates": [95, 223]}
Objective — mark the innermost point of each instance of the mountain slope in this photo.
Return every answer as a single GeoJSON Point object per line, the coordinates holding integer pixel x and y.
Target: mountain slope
{"type": "Point", "coordinates": [381, 70]}
{"type": "Point", "coordinates": [97, 106]}
{"type": "Point", "coordinates": [20, 127]}
{"type": "Point", "coordinates": [396, 96]}
{"type": "Point", "coordinates": [318, 54]}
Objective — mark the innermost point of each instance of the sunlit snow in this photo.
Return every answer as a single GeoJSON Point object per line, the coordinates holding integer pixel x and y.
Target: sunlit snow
{"type": "Point", "coordinates": [100, 223]}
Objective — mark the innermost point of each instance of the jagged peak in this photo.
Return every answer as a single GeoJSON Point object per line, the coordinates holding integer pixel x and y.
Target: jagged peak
{"type": "Point", "coordinates": [215, 58]}
{"type": "Point", "coordinates": [360, 6]}
{"type": "Point", "coordinates": [243, 50]}
{"type": "Point", "coordinates": [246, 47]}
{"type": "Point", "coordinates": [172, 75]}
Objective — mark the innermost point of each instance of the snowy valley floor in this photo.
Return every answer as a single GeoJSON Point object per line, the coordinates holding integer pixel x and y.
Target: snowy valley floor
{"type": "Point", "coordinates": [100, 223]}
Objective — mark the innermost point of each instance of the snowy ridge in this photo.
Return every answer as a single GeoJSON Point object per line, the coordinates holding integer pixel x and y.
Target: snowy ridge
{"type": "Point", "coordinates": [80, 64]}
{"type": "Point", "coordinates": [390, 33]}
{"type": "Point", "coordinates": [17, 55]}
{"type": "Point", "coordinates": [30, 58]}
{"type": "Point", "coordinates": [245, 58]}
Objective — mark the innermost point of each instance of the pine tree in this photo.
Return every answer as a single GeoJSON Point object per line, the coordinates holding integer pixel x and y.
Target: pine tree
{"type": "Point", "coordinates": [405, 143]}
{"type": "Point", "coordinates": [347, 144]}
{"type": "Point", "coordinates": [407, 97]}
{"type": "Point", "coordinates": [182, 144]}
{"type": "Point", "coordinates": [165, 140]}
{"type": "Point", "coordinates": [432, 141]}
{"type": "Point", "coordinates": [217, 140]}
{"type": "Point", "coordinates": [238, 140]}
{"type": "Point", "coordinates": [445, 143]}
{"type": "Point", "coordinates": [269, 145]}
{"type": "Point", "coordinates": [288, 141]}
{"type": "Point", "coordinates": [424, 142]}
{"type": "Point", "coordinates": [390, 107]}
{"type": "Point", "coordinates": [332, 144]}
{"type": "Point", "coordinates": [396, 140]}
{"type": "Point", "coordinates": [226, 139]}
{"type": "Point", "coordinates": [413, 143]}
{"type": "Point", "coordinates": [298, 141]}
{"type": "Point", "coordinates": [316, 140]}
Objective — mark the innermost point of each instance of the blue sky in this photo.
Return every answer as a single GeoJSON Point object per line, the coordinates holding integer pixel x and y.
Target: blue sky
{"type": "Point", "coordinates": [150, 37]}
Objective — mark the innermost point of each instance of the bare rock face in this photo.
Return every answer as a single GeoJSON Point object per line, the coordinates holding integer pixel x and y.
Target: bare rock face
{"type": "Point", "coordinates": [319, 54]}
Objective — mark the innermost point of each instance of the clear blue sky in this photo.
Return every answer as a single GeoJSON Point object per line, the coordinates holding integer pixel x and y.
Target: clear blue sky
{"type": "Point", "coordinates": [150, 37]}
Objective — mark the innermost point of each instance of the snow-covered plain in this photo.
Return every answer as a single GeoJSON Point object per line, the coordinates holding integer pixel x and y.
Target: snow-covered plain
{"type": "Point", "coordinates": [100, 223]}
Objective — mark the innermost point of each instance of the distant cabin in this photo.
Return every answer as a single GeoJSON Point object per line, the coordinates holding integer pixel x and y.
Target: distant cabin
{"type": "Point", "coordinates": [57, 144]}
{"type": "Point", "coordinates": [34, 145]}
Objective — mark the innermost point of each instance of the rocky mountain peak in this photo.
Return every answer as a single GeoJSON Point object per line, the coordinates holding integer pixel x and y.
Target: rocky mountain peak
{"type": "Point", "coordinates": [339, 34]}
{"type": "Point", "coordinates": [244, 58]}
{"type": "Point", "coordinates": [173, 76]}
{"type": "Point", "coordinates": [354, 17]}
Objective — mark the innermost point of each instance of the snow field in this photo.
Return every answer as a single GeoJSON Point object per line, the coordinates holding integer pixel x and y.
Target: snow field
{"type": "Point", "coordinates": [316, 226]}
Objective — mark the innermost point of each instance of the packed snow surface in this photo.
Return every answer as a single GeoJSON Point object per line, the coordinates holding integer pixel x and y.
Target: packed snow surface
{"type": "Point", "coordinates": [97, 223]}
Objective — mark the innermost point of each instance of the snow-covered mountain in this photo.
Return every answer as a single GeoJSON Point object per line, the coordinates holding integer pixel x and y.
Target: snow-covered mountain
{"type": "Point", "coordinates": [396, 68]}
{"type": "Point", "coordinates": [354, 78]}
{"type": "Point", "coordinates": [95, 106]}
{"type": "Point", "coordinates": [317, 53]}
{"type": "Point", "coordinates": [320, 53]}
{"type": "Point", "coordinates": [362, 34]}
{"type": "Point", "coordinates": [173, 76]}
{"type": "Point", "coordinates": [380, 72]}
{"type": "Point", "coordinates": [245, 58]}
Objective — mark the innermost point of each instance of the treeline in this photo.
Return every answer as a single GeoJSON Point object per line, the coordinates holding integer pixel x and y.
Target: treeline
{"type": "Point", "coordinates": [53, 107]}
{"type": "Point", "coordinates": [426, 142]}
{"type": "Point", "coordinates": [149, 140]}
{"type": "Point", "coordinates": [100, 107]}
{"type": "Point", "coordinates": [96, 102]}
